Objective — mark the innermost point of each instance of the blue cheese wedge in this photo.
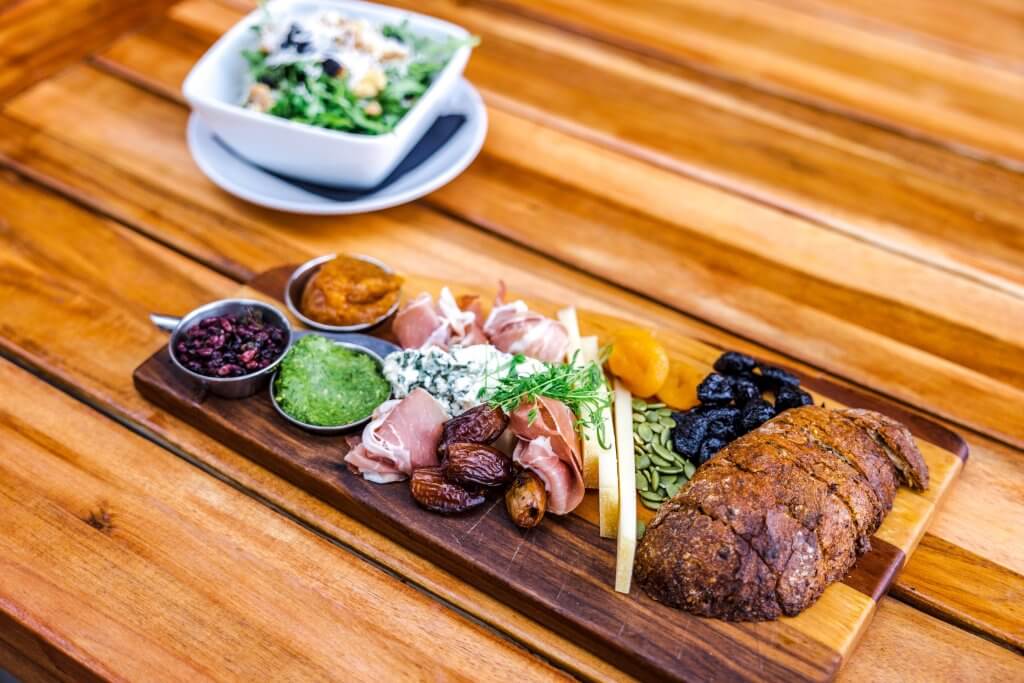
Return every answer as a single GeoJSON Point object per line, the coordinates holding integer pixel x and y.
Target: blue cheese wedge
{"type": "Point", "coordinates": [455, 378]}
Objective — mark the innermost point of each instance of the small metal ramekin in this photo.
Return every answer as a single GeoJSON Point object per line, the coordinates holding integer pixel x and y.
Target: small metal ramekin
{"type": "Point", "coordinates": [334, 429]}
{"type": "Point", "coordinates": [243, 385]}
{"type": "Point", "coordinates": [297, 285]}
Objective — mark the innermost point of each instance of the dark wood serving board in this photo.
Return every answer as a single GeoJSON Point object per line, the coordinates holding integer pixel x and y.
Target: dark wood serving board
{"type": "Point", "coordinates": [561, 573]}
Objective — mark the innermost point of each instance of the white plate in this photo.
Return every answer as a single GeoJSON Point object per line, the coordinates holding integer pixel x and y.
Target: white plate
{"type": "Point", "coordinates": [253, 184]}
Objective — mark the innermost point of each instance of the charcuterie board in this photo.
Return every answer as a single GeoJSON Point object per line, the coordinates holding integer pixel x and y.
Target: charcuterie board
{"type": "Point", "coordinates": [561, 573]}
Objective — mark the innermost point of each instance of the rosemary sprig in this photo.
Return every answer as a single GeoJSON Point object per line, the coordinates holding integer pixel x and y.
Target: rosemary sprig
{"type": "Point", "coordinates": [576, 385]}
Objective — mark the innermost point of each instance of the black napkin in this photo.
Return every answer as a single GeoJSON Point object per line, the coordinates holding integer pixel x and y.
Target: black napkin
{"type": "Point", "coordinates": [442, 130]}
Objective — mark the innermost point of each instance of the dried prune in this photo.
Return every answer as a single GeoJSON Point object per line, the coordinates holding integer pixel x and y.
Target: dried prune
{"type": "Point", "coordinates": [723, 422]}
{"type": "Point", "coordinates": [431, 490]}
{"type": "Point", "coordinates": [745, 390]}
{"type": "Point", "coordinates": [482, 424]}
{"type": "Point", "coordinates": [755, 414]}
{"type": "Point", "coordinates": [791, 397]}
{"type": "Point", "coordinates": [474, 464]}
{"type": "Point", "coordinates": [689, 432]}
{"type": "Point", "coordinates": [526, 500]}
{"type": "Point", "coordinates": [773, 377]}
{"type": "Point", "coordinates": [715, 389]}
{"type": "Point", "coordinates": [707, 449]}
{"type": "Point", "coordinates": [734, 363]}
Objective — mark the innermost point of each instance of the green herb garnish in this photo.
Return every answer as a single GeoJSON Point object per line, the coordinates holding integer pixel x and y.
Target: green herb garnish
{"type": "Point", "coordinates": [582, 388]}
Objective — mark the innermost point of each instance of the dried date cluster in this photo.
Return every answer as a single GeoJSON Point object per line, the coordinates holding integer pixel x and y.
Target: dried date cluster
{"type": "Point", "coordinates": [230, 345]}
{"type": "Point", "coordinates": [470, 467]}
{"type": "Point", "coordinates": [732, 404]}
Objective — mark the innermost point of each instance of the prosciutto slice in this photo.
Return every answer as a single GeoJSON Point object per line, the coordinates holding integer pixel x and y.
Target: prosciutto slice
{"type": "Point", "coordinates": [514, 328]}
{"type": "Point", "coordinates": [422, 323]}
{"type": "Point", "coordinates": [549, 447]}
{"type": "Point", "coordinates": [402, 436]}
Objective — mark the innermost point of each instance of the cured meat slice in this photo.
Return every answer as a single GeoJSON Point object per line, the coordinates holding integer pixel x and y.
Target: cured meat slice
{"type": "Point", "coordinates": [514, 328]}
{"type": "Point", "coordinates": [402, 436]}
{"type": "Point", "coordinates": [422, 323]}
{"type": "Point", "coordinates": [547, 445]}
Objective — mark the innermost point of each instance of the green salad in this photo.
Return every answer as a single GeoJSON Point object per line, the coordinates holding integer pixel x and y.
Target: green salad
{"type": "Point", "coordinates": [328, 70]}
{"type": "Point", "coordinates": [325, 384]}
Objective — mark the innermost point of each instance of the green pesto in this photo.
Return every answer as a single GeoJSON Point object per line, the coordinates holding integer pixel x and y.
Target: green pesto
{"type": "Point", "coordinates": [322, 383]}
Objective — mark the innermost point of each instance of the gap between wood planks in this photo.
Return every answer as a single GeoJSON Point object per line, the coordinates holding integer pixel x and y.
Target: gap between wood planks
{"type": "Point", "coordinates": [789, 95]}
{"type": "Point", "coordinates": [128, 76]}
{"type": "Point", "coordinates": [156, 439]}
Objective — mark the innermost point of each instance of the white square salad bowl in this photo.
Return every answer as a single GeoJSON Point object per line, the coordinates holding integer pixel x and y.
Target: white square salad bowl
{"type": "Point", "coordinates": [215, 89]}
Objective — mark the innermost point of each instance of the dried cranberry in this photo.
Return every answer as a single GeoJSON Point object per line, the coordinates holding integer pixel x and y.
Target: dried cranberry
{"type": "Point", "coordinates": [230, 345]}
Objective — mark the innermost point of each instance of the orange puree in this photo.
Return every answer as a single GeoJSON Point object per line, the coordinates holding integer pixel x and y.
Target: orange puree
{"type": "Point", "coordinates": [349, 291]}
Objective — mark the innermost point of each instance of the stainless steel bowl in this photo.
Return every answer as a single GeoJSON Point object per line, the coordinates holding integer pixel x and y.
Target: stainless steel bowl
{"type": "Point", "coordinates": [243, 385]}
{"type": "Point", "coordinates": [297, 285]}
{"type": "Point", "coordinates": [336, 429]}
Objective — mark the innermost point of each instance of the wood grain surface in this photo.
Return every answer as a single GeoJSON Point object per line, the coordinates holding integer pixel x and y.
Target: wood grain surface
{"type": "Point", "coordinates": [923, 226]}
{"type": "Point", "coordinates": [121, 560]}
{"type": "Point", "coordinates": [532, 572]}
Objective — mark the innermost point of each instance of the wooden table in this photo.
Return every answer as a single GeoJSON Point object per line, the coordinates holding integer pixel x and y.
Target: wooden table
{"type": "Point", "coordinates": [834, 183]}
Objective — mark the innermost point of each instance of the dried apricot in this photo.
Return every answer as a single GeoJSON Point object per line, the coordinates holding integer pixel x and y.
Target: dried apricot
{"type": "Point", "coordinates": [680, 387]}
{"type": "Point", "coordinates": [639, 361]}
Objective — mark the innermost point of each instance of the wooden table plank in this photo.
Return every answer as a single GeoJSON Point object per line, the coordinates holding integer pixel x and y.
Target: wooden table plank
{"type": "Point", "coordinates": [985, 31]}
{"type": "Point", "coordinates": [997, 594]}
{"type": "Point", "coordinates": [455, 249]}
{"type": "Point", "coordinates": [39, 37]}
{"type": "Point", "coordinates": [903, 85]}
{"type": "Point", "coordinates": [935, 648]}
{"type": "Point", "coordinates": [135, 565]}
{"type": "Point", "coordinates": [724, 242]}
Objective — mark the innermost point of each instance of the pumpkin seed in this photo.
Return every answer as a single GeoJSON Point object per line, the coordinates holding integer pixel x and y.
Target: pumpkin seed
{"type": "Point", "coordinates": [651, 504]}
{"type": "Point", "coordinates": [654, 478]}
{"type": "Point", "coordinates": [639, 404]}
{"type": "Point", "coordinates": [667, 422]}
{"type": "Point", "coordinates": [665, 412]}
{"type": "Point", "coordinates": [638, 417]}
{"type": "Point", "coordinates": [645, 432]}
{"type": "Point", "coordinates": [665, 453]}
{"type": "Point", "coordinates": [668, 479]}
{"type": "Point", "coordinates": [671, 470]}
{"type": "Point", "coordinates": [640, 529]}
{"type": "Point", "coordinates": [643, 462]}
{"type": "Point", "coordinates": [641, 482]}
{"type": "Point", "coordinates": [654, 406]}
{"type": "Point", "coordinates": [658, 460]}
{"type": "Point", "coordinates": [689, 469]}
{"type": "Point", "coordinates": [652, 417]}
{"type": "Point", "coordinates": [651, 496]}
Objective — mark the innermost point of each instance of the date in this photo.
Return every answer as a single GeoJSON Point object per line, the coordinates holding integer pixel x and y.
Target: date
{"type": "Point", "coordinates": [526, 500]}
{"type": "Point", "coordinates": [482, 424]}
{"type": "Point", "coordinates": [432, 491]}
{"type": "Point", "coordinates": [473, 464]}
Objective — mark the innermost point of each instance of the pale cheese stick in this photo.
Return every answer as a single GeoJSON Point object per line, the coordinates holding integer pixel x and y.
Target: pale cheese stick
{"type": "Point", "coordinates": [626, 547]}
{"type": "Point", "coordinates": [567, 316]}
{"type": "Point", "coordinates": [600, 464]}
